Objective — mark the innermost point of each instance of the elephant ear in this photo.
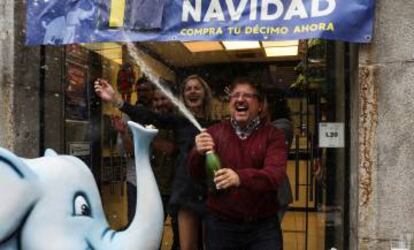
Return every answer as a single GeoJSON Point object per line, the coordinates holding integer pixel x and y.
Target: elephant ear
{"type": "Point", "coordinates": [18, 193]}
{"type": "Point", "coordinates": [50, 152]}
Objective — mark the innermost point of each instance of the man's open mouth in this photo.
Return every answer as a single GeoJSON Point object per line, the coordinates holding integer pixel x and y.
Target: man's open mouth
{"type": "Point", "coordinates": [241, 108]}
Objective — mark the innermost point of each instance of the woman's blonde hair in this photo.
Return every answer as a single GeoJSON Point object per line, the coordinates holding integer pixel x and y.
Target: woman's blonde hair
{"type": "Point", "coordinates": [208, 94]}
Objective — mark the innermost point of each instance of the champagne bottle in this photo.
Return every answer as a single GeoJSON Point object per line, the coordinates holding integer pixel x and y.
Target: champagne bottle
{"type": "Point", "coordinates": [212, 166]}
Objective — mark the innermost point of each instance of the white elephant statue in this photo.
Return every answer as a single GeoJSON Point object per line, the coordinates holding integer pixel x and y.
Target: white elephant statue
{"type": "Point", "coordinates": [53, 203]}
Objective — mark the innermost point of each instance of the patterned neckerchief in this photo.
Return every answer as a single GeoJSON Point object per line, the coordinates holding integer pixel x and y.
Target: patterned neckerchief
{"type": "Point", "coordinates": [244, 132]}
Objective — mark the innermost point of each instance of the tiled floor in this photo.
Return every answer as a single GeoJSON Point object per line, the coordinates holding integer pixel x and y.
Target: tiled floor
{"type": "Point", "coordinates": [167, 237]}
{"type": "Point", "coordinates": [293, 226]}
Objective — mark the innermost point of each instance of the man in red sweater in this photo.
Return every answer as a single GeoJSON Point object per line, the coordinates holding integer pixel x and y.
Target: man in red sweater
{"type": "Point", "coordinates": [243, 214]}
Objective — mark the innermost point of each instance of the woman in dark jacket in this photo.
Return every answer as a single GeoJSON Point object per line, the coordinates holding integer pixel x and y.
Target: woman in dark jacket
{"type": "Point", "coordinates": [187, 197]}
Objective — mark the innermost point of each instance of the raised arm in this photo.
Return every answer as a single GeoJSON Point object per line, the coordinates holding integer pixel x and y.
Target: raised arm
{"type": "Point", "coordinates": [141, 114]}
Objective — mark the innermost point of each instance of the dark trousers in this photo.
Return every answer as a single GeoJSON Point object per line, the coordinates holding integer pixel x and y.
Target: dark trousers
{"type": "Point", "coordinates": [132, 200]}
{"type": "Point", "coordinates": [176, 238]}
{"type": "Point", "coordinates": [264, 234]}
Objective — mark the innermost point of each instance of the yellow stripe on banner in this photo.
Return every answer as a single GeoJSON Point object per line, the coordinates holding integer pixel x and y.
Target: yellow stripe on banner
{"type": "Point", "coordinates": [116, 18]}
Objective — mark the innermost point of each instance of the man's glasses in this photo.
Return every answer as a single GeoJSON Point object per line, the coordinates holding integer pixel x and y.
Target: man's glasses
{"type": "Point", "coordinates": [246, 96]}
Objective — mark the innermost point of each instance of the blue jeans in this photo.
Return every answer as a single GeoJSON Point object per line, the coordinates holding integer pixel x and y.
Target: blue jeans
{"type": "Point", "coordinates": [263, 234]}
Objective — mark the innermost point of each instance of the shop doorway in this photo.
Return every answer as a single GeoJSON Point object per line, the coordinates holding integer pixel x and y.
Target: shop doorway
{"type": "Point", "coordinates": [312, 84]}
{"type": "Point", "coordinates": [312, 90]}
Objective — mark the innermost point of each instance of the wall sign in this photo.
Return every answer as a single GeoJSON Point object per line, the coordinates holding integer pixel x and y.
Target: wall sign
{"type": "Point", "coordinates": [82, 150]}
{"type": "Point", "coordinates": [88, 21]}
{"type": "Point", "coordinates": [79, 148]}
{"type": "Point", "coordinates": [331, 135]}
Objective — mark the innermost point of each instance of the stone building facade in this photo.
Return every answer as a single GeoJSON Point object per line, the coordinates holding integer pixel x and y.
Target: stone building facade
{"type": "Point", "coordinates": [382, 115]}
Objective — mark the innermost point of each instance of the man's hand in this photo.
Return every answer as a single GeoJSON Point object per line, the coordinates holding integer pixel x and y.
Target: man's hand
{"type": "Point", "coordinates": [204, 142]}
{"type": "Point", "coordinates": [104, 90]}
{"type": "Point", "coordinates": [225, 178]}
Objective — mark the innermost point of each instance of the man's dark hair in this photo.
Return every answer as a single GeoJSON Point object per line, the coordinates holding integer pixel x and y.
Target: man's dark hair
{"type": "Point", "coordinates": [252, 83]}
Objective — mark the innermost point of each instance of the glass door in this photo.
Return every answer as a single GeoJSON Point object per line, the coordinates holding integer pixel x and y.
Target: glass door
{"type": "Point", "coordinates": [317, 166]}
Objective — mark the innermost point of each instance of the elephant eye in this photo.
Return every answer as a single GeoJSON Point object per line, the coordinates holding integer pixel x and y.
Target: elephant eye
{"type": "Point", "coordinates": [81, 206]}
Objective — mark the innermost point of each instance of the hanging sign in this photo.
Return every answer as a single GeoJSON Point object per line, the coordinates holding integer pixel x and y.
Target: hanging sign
{"type": "Point", "coordinates": [87, 21]}
{"type": "Point", "coordinates": [331, 135]}
{"type": "Point", "coordinates": [79, 148]}
{"type": "Point", "coordinates": [82, 150]}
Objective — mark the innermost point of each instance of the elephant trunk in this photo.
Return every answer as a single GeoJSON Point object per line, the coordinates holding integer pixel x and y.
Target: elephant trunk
{"type": "Point", "coordinates": [145, 231]}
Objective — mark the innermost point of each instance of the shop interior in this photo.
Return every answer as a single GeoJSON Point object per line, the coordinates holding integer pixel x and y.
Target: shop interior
{"type": "Point", "coordinates": [309, 77]}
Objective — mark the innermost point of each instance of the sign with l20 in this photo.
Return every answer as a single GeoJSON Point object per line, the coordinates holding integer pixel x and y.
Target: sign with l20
{"type": "Point", "coordinates": [331, 135]}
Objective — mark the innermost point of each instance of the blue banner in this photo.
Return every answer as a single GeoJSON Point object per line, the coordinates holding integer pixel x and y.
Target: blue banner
{"type": "Point", "coordinates": [87, 21]}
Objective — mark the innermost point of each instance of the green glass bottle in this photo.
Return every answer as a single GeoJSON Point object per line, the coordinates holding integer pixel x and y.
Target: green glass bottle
{"type": "Point", "coordinates": [212, 166]}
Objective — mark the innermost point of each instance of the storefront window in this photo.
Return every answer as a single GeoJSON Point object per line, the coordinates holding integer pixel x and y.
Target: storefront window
{"type": "Point", "coordinates": [308, 89]}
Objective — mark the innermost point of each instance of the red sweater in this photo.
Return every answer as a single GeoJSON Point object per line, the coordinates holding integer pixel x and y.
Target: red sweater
{"type": "Point", "coordinates": [260, 162]}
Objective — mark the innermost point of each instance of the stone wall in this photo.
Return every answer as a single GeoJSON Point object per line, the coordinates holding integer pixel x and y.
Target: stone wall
{"type": "Point", "coordinates": [6, 74]}
{"type": "Point", "coordinates": [382, 172]}
{"type": "Point", "coordinates": [53, 99]}
{"type": "Point", "coordinates": [386, 119]}
{"type": "Point", "coordinates": [19, 80]}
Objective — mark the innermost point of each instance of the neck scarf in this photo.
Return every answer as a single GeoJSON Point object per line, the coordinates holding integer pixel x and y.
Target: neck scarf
{"type": "Point", "coordinates": [244, 132]}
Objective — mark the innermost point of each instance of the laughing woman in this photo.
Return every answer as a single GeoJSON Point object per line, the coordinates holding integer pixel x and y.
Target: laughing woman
{"type": "Point", "coordinates": [187, 197]}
